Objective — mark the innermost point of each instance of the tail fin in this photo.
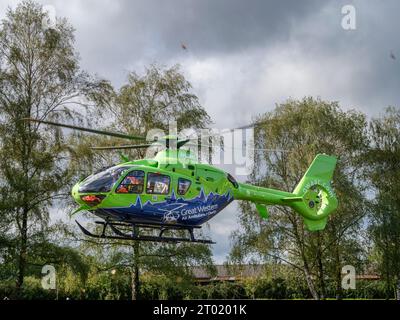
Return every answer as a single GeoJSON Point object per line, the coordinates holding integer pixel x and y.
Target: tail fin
{"type": "Point", "coordinates": [318, 197]}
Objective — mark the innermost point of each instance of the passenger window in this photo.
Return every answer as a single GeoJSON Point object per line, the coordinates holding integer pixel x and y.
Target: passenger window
{"type": "Point", "coordinates": [183, 186]}
{"type": "Point", "coordinates": [132, 183]}
{"type": "Point", "coordinates": [157, 183]}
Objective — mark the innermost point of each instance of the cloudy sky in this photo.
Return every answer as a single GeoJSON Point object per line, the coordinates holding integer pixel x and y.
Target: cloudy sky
{"type": "Point", "coordinates": [243, 57]}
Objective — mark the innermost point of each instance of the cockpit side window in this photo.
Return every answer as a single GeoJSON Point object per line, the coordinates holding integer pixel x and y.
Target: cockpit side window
{"type": "Point", "coordinates": [102, 181]}
{"type": "Point", "coordinates": [183, 186]}
{"type": "Point", "coordinates": [157, 183]}
{"type": "Point", "coordinates": [132, 183]}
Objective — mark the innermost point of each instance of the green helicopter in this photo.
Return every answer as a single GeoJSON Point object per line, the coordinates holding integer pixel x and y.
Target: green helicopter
{"type": "Point", "coordinates": [173, 191]}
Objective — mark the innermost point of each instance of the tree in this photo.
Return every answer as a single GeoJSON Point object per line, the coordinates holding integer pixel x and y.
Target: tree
{"type": "Point", "coordinates": [40, 78]}
{"type": "Point", "coordinates": [303, 129]}
{"type": "Point", "coordinates": [152, 100]}
{"type": "Point", "coordinates": [383, 173]}
{"type": "Point", "coordinates": [147, 102]}
{"type": "Point", "coordinates": [168, 261]}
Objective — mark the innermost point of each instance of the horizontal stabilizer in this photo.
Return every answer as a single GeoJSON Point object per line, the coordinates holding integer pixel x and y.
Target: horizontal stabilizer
{"type": "Point", "coordinates": [262, 210]}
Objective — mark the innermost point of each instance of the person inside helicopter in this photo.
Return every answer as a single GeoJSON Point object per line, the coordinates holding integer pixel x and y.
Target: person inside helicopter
{"type": "Point", "coordinates": [157, 183]}
{"type": "Point", "coordinates": [132, 183]}
{"type": "Point", "coordinates": [183, 186]}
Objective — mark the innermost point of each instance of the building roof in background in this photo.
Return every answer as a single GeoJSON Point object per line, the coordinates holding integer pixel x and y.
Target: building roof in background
{"type": "Point", "coordinates": [238, 272]}
{"type": "Point", "coordinates": [229, 272]}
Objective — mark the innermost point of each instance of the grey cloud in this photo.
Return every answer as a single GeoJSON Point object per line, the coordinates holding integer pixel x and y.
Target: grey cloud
{"type": "Point", "coordinates": [124, 34]}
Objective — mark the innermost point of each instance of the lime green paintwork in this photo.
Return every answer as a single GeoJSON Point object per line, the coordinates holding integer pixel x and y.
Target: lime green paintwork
{"type": "Point", "coordinates": [313, 198]}
{"type": "Point", "coordinates": [167, 162]}
{"type": "Point", "coordinates": [303, 199]}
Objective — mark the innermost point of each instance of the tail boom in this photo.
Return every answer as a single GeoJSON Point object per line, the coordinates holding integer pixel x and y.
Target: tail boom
{"type": "Point", "coordinates": [313, 198]}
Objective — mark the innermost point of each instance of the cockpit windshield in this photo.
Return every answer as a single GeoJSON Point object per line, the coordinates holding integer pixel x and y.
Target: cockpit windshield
{"type": "Point", "coordinates": [102, 181]}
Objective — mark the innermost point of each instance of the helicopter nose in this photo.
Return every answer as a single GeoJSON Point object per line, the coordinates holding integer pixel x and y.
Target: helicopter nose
{"type": "Point", "coordinates": [91, 200]}
{"type": "Point", "coordinates": [76, 195]}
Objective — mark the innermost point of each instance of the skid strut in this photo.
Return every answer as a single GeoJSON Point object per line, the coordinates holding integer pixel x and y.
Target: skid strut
{"type": "Point", "coordinates": [136, 236]}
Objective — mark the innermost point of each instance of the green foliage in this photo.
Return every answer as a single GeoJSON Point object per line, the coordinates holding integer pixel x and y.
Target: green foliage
{"type": "Point", "coordinates": [383, 173]}
{"type": "Point", "coordinates": [39, 78]}
{"type": "Point", "coordinates": [107, 286]}
{"type": "Point", "coordinates": [305, 128]}
{"type": "Point", "coordinates": [159, 96]}
{"type": "Point", "coordinates": [145, 102]}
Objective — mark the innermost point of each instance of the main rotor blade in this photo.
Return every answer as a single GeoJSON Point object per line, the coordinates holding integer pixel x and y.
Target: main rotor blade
{"type": "Point", "coordinates": [237, 148]}
{"type": "Point", "coordinates": [106, 133]}
{"type": "Point", "coordinates": [124, 147]}
{"type": "Point", "coordinates": [251, 125]}
{"type": "Point", "coordinates": [223, 131]}
{"type": "Point", "coordinates": [181, 143]}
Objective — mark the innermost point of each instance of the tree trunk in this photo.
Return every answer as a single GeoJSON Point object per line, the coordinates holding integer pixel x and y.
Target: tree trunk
{"type": "Point", "coordinates": [22, 251]}
{"type": "Point", "coordinates": [306, 268]}
{"type": "Point", "coordinates": [339, 289]}
{"type": "Point", "coordinates": [135, 281]}
{"type": "Point", "coordinates": [337, 267]}
{"type": "Point", "coordinates": [320, 268]}
{"type": "Point", "coordinates": [309, 280]}
{"type": "Point", "coordinates": [389, 287]}
{"type": "Point", "coordinates": [26, 151]}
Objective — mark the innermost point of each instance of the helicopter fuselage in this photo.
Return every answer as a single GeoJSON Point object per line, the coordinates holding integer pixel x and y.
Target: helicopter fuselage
{"type": "Point", "coordinates": [146, 191]}
{"type": "Point", "coordinates": [174, 191]}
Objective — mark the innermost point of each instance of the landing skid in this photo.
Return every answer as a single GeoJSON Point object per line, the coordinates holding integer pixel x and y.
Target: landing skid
{"type": "Point", "coordinates": [135, 236]}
